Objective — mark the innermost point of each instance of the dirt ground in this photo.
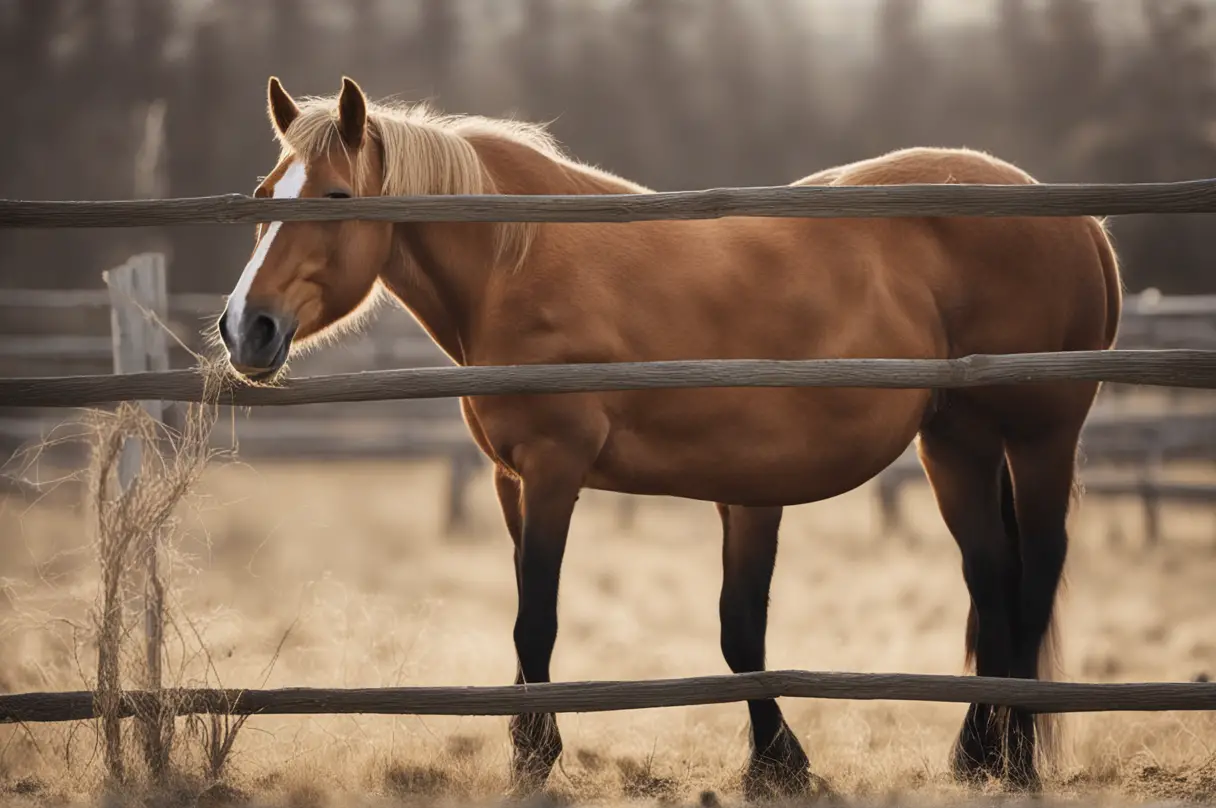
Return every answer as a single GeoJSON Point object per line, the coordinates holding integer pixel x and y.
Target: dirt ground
{"type": "Point", "coordinates": [343, 569]}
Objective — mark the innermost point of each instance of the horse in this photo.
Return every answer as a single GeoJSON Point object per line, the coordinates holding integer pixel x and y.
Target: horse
{"type": "Point", "coordinates": [1001, 459]}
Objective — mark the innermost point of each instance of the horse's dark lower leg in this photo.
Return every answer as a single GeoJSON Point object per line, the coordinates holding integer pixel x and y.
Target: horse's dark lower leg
{"type": "Point", "coordinates": [1019, 739]}
{"type": "Point", "coordinates": [778, 764]}
{"type": "Point", "coordinates": [1042, 471]}
{"type": "Point", "coordinates": [1000, 741]}
{"type": "Point", "coordinates": [538, 522]}
{"type": "Point", "coordinates": [964, 467]}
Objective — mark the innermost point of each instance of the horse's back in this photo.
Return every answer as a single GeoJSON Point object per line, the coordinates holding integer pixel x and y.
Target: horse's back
{"type": "Point", "coordinates": [922, 164]}
{"type": "Point", "coordinates": [1003, 284]}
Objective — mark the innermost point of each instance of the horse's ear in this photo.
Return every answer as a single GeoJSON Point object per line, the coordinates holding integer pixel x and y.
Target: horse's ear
{"type": "Point", "coordinates": [282, 109]}
{"type": "Point", "coordinates": [352, 114]}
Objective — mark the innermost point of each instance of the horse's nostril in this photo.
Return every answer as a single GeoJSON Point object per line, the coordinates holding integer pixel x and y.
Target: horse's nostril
{"type": "Point", "coordinates": [258, 339]}
{"type": "Point", "coordinates": [262, 330]}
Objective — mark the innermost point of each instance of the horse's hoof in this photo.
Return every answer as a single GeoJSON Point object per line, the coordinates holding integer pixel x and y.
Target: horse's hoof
{"type": "Point", "coordinates": [529, 775]}
{"type": "Point", "coordinates": [528, 797]}
{"type": "Point", "coordinates": [537, 746]}
{"type": "Point", "coordinates": [767, 780]}
{"type": "Point", "coordinates": [780, 772]}
{"type": "Point", "coordinates": [976, 756]}
{"type": "Point", "coordinates": [1023, 779]}
{"type": "Point", "coordinates": [967, 769]}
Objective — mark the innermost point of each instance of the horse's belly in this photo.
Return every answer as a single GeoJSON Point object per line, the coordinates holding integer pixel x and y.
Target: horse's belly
{"type": "Point", "coordinates": [783, 454]}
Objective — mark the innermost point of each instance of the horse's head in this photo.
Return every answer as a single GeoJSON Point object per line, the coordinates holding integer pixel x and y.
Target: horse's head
{"type": "Point", "coordinates": [304, 277]}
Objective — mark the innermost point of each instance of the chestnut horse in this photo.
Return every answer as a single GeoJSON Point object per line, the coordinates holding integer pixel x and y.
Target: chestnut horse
{"type": "Point", "coordinates": [1001, 459]}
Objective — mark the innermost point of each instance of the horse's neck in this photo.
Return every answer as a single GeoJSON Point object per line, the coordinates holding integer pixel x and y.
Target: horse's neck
{"type": "Point", "coordinates": [441, 270]}
{"type": "Point", "coordinates": [437, 273]}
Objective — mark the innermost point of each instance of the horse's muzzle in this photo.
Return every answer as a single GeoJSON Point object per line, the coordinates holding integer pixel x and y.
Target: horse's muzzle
{"type": "Point", "coordinates": [258, 345]}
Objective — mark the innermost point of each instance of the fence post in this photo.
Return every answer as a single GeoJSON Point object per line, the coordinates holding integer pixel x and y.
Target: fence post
{"type": "Point", "coordinates": [139, 308]}
{"type": "Point", "coordinates": [462, 466]}
{"type": "Point", "coordinates": [1150, 491]}
{"type": "Point", "coordinates": [626, 511]}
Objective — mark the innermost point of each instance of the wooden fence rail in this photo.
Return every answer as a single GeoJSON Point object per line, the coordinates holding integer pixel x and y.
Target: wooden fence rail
{"type": "Point", "coordinates": [1173, 368]}
{"type": "Point", "coordinates": [607, 696]}
{"type": "Point", "coordinates": [1046, 199]}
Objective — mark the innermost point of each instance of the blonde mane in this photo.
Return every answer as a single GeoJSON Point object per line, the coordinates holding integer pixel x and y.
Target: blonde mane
{"type": "Point", "coordinates": [426, 152]}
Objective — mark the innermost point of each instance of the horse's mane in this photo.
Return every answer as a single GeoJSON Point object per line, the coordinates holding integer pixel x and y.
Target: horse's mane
{"type": "Point", "coordinates": [425, 151]}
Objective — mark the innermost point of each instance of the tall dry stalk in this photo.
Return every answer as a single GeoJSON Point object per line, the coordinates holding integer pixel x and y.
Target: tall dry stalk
{"type": "Point", "coordinates": [127, 521]}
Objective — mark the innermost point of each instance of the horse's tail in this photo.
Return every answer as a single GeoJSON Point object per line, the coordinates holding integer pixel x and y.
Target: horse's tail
{"type": "Point", "coordinates": [1113, 278]}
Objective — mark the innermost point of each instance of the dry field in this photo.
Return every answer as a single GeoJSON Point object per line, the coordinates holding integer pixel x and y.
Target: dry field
{"type": "Point", "coordinates": [341, 568]}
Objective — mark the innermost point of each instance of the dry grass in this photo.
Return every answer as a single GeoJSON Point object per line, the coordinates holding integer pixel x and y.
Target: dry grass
{"type": "Point", "coordinates": [346, 561]}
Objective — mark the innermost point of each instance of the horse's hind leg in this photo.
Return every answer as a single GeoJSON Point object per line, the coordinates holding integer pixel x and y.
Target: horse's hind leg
{"type": "Point", "coordinates": [778, 764]}
{"type": "Point", "coordinates": [963, 456]}
{"type": "Point", "coordinates": [1042, 467]}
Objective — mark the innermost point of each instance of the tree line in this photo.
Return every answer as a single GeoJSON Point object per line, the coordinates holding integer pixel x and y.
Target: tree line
{"type": "Point", "coordinates": [122, 98]}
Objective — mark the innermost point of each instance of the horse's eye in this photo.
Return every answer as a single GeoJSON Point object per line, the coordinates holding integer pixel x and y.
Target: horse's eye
{"type": "Point", "coordinates": [337, 195]}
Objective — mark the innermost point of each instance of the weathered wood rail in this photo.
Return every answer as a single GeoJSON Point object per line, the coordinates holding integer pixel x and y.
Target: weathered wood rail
{"type": "Point", "coordinates": [806, 201]}
{"type": "Point", "coordinates": [605, 696]}
{"type": "Point", "coordinates": [1171, 368]}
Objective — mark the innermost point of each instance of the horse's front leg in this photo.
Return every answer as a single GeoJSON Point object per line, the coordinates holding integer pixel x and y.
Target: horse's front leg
{"type": "Point", "coordinates": [537, 507]}
{"type": "Point", "coordinates": [778, 766]}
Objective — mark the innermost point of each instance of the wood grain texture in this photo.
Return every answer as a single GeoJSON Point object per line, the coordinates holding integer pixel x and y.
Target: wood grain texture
{"type": "Point", "coordinates": [587, 697]}
{"type": "Point", "coordinates": [1105, 199]}
{"type": "Point", "coordinates": [1169, 368]}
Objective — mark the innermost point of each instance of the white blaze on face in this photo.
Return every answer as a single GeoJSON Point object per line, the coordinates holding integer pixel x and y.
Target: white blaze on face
{"type": "Point", "coordinates": [288, 187]}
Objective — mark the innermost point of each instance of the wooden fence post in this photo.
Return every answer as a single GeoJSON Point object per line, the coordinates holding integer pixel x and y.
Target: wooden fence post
{"type": "Point", "coordinates": [139, 308]}
{"type": "Point", "coordinates": [460, 469]}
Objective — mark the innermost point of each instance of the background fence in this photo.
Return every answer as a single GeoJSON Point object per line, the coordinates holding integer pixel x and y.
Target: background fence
{"type": "Point", "coordinates": [1193, 368]}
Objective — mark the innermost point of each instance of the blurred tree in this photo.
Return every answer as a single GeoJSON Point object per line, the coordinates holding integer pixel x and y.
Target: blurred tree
{"type": "Point", "coordinates": [728, 145]}
{"type": "Point", "coordinates": [539, 64]}
{"type": "Point", "coordinates": [438, 42]}
{"type": "Point", "coordinates": [148, 71]}
{"type": "Point", "coordinates": [1019, 42]}
{"type": "Point", "coordinates": [600, 96]}
{"type": "Point", "coordinates": [288, 33]}
{"type": "Point", "coordinates": [27, 83]}
{"type": "Point", "coordinates": [26, 75]}
{"type": "Point", "coordinates": [197, 121]}
{"type": "Point", "coordinates": [1069, 69]}
{"type": "Point", "coordinates": [652, 63]}
{"type": "Point", "coordinates": [673, 93]}
{"type": "Point", "coordinates": [799, 133]}
{"type": "Point", "coordinates": [374, 53]}
{"type": "Point", "coordinates": [1165, 130]}
{"type": "Point", "coordinates": [897, 107]}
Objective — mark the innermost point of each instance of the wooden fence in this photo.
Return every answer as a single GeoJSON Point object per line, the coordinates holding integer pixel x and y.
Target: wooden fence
{"type": "Point", "coordinates": [830, 202]}
{"type": "Point", "coordinates": [1181, 368]}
